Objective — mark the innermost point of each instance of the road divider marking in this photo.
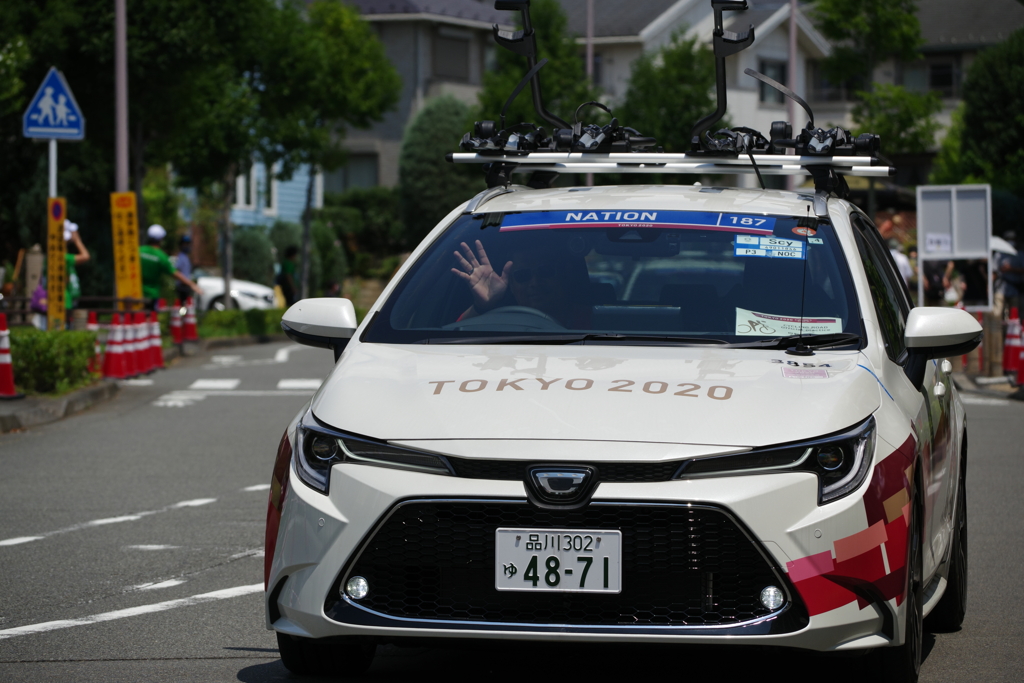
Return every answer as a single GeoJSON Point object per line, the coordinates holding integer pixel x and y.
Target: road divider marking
{"type": "Point", "coordinates": [109, 520]}
{"type": "Point", "coordinates": [255, 552]}
{"type": "Point", "coordinates": [983, 401]}
{"type": "Point", "coordinates": [313, 384]}
{"type": "Point", "coordinates": [225, 360]}
{"type": "Point", "coordinates": [136, 382]}
{"type": "Point", "coordinates": [43, 627]}
{"type": "Point", "coordinates": [169, 583]}
{"type": "Point", "coordinates": [257, 487]}
{"type": "Point", "coordinates": [152, 547]}
{"type": "Point", "coordinates": [184, 398]}
{"type": "Point", "coordinates": [237, 361]}
{"type": "Point", "coordinates": [215, 384]}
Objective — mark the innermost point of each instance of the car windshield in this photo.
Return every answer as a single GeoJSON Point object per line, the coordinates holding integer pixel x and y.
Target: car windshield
{"type": "Point", "coordinates": [623, 276]}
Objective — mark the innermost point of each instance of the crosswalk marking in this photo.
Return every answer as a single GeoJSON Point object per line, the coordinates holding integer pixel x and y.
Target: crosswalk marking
{"type": "Point", "coordinates": [215, 384]}
{"type": "Point", "coordinates": [313, 384]}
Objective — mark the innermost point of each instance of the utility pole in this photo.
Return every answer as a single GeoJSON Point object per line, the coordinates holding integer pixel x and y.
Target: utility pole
{"type": "Point", "coordinates": [120, 96]}
{"type": "Point", "coordinates": [590, 60]}
{"type": "Point", "coordinates": [791, 78]}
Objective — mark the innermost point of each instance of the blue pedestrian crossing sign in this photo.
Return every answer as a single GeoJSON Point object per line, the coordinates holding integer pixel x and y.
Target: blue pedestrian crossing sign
{"type": "Point", "coordinates": [53, 112]}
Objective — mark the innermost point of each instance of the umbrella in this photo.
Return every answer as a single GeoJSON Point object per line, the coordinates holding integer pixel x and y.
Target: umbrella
{"type": "Point", "coordinates": [999, 244]}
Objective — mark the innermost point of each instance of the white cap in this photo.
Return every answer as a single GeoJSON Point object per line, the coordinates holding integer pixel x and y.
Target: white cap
{"type": "Point", "coordinates": [69, 228]}
{"type": "Point", "coordinates": [156, 232]}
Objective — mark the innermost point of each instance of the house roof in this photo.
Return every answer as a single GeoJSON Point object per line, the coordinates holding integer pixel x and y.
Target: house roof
{"type": "Point", "coordinates": [958, 25]}
{"type": "Point", "coordinates": [473, 11]}
{"type": "Point", "coordinates": [614, 17]}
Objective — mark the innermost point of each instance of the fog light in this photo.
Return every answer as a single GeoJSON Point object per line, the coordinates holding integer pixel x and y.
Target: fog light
{"type": "Point", "coordinates": [771, 598]}
{"type": "Point", "coordinates": [357, 588]}
{"type": "Point", "coordinates": [831, 458]}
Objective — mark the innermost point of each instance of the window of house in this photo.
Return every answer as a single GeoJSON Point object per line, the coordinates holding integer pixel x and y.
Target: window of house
{"type": "Point", "coordinates": [822, 89]}
{"type": "Point", "coordinates": [451, 58]}
{"type": "Point", "coordinates": [245, 189]}
{"type": "Point", "coordinates": [359, 171]}
{"type": "Point", "coordinates": [775, 70]}
{"type": "Point", "coordinates": [268, 191]}
{"type": "Point", "coordinates": [935, 74]}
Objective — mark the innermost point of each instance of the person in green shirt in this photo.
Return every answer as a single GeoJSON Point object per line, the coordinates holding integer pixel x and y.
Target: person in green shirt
{"type": "Point", "coordinates": [155, 265]}
{"type": "Point", "coordinates": [73, 290]}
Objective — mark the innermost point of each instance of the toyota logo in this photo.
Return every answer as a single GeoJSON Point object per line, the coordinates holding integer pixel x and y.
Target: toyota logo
{"type": "Point", "coordinates": [560, 486]}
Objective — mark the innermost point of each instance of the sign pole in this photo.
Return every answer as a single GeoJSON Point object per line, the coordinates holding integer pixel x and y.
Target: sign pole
{"type": "Point", "coordinates": [53, 168]}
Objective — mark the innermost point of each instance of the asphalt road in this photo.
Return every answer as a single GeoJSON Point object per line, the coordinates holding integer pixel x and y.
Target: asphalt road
{"type": "Point", "coordinates": [131, 541]}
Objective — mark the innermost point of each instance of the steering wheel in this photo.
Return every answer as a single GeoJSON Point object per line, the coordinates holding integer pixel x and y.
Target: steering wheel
{"type": "Point", "coordinates": [508, 319]}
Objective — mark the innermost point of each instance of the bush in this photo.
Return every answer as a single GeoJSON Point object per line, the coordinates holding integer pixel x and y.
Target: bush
{"type": "Point", "coordinates": [254, 259]}
{"type": "Point", "coordinates": [283, 235]}
{"type": "Point", "coordinates": [51, 362]}
{"type": "Point", "coordinates": [235, 323]}
{"type": "Point", "coordinates": [430, 186]}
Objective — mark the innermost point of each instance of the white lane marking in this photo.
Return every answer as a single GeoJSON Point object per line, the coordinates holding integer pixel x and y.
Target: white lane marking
{"type": "Point", "coordinates": [282, 354]}
{"type": "Point", "coordinates": [108, 520]}
{"type": "Point", "coordinates": [169, 583]}
{"type": "Point", "coordinates": [136, 382]}
{"type": "Point", "coordinates": [20, 539]}
{"type": "Point", "coordinates": [182, 398]}
{"type": "Point", "coordinates": [215, 384]}
{"type": "Point", "coordinates": [193, 503]}
{"type": "Point", "coordinates": [257, 487]}
{"type": "Point", "coordinates": [152, 547]}
{"type": "Point", "coordinates": [114, 520]}
{"type": "Point", "coordinates": [237, 361]}
{"type": "Point", "coordinates": [255, 552]}
{"type": "Point", "coordinates": [225, 360]}
{"type": "Point", "coordinates": [313, 384]}
{"type": "Point", "coordinates": [131, 611]}
{"type": "Point", "coordinates": [983, 401]}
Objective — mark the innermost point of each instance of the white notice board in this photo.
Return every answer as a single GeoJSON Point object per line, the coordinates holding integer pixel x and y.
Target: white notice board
{"type": "Point", "coordinates": [954, 223]}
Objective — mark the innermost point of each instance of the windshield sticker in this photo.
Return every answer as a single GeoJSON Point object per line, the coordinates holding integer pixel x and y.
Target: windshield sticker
{"type": "Point", "coordinates": [671, 220]}
{"type": "Point", "coordinates": [815, 240]}
{"type": "Point", "coordinates": [753, 324]}
{"type": "Point", "coordinates": [805, 231]}
{"type": "Point", "coordinates": [769, 247]}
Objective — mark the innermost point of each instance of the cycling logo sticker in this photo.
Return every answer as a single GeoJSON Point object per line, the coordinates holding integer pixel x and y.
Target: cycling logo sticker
{"type": "Point", "coordinates": [754, 324]}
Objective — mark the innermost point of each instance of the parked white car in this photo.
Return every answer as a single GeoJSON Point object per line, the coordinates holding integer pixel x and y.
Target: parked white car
{"type": "Point", "coordinates": [246, 295]}
{"type": "Point", "coordinates": [750, 437]}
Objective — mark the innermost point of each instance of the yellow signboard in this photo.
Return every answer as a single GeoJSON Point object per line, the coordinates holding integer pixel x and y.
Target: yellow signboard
{"type": "Point", "coordinates": [127, 271]}
{"type": "Point", "coordinates": [56, 267]}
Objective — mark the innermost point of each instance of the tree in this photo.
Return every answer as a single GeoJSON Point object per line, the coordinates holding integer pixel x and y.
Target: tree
{"type": "Point", "coordinates": [430, 186]}
{"type": "Point", "coordinates": [669, 91]}
{"type": "Point", "coordinates": [563, 79]}
{"type": "Point", "coordinates": [14, 56]}
{"type": "Point", "coordinates": [865, 33]}
{"type": "Point", "coordinates": [904, 120]}
{"type": "Point", "coordinates": [992, 144]}
{"type": "Point", "coordinates": [253, 255]}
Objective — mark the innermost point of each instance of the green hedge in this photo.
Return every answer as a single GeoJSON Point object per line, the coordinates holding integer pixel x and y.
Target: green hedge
{"type": "Point", "coordinates": [257, 323]}
{"type": "Point", "coordinates": [51, 362]}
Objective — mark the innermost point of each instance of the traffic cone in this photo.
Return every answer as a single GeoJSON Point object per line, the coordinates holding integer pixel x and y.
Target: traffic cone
{"type": "Point", "coordinates": [191, 334]}
{"type": "Point", "coordinates": [93, 325]}
{"type": "Point", "coordinates": [144, 364]}
{"type": "Point", "coordinates": [113, 365]}
{"type": "Point", "coordinates": [156, 346]}
{"type": "Point", "coordinates": [128, 347]}
{"type": "Point", "coordinates": [1012, 345]}
{"type": "Point", "coordinates": [176, 331]}
{"type": "Point", "coordinates": [7, 390]}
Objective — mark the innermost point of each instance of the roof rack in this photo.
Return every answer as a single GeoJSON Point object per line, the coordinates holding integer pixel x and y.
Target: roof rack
{"type": "Point", "coordinates": [827, 155]}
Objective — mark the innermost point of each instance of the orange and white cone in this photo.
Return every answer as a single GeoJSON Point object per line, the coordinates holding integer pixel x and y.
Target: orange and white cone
{"type": "Point", "coordinates": [156, 346]}
{"type": "Point", "coordinates": [7, 390]}
{"type": "Point", "coordinates": [1012, 345]}
{"type": "Point", "coordinates": [142, 358]}
{"type": "Point", "coordinates": [114, 367]}
{"type": "Point", "coordinates": [176, 331]}
{"type": "Point", "coordinates": [96, 364]}
{"type": "Point", "coordinates": [191, 334]}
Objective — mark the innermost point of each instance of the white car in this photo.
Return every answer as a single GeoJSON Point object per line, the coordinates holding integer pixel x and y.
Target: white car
{"type": "Point", "coordinates": [245, 295]}
{"type": "Point", "coordinates": [666, 414]}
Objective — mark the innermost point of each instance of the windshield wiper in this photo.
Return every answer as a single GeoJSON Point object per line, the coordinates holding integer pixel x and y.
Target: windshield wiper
{"type": "Point", "coordinates": [562, 339]}
{"type": "Point", "coordinates": [807, 340]}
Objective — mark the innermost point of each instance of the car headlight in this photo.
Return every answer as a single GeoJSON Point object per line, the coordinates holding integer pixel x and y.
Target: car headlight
{"type": "Point", "coordinates": [841, 461]}
{"type": "Point", "coordinates": [319, 448]}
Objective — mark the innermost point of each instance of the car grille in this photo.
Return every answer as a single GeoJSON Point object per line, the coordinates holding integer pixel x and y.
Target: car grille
{"type": "Point", "coordinates": [515, 470]}
{"type": "Point", "coordinates": [682, 565]}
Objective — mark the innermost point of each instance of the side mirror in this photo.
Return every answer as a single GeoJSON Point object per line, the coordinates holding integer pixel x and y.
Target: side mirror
{"type": "Point", "coordinates": [327, 323]}
{"type": "Point", "coordinates": [934, 332]}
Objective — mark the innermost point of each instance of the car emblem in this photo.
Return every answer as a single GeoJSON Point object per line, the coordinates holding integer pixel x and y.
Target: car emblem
{"type": "Point", "coordinates": [561, 485]}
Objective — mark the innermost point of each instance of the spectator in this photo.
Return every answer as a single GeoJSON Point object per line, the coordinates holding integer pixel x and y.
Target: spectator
{"type": "Point", "coordinates": [286, 278]}
{"type": "Point", "coordinates": [183, 262]}
{"type": "Point", "coordinates": [1009, 278]}
{"type": "Point", "coordinates": [73, 289]}
{"type": "Point", "coordinates": [155, 264]}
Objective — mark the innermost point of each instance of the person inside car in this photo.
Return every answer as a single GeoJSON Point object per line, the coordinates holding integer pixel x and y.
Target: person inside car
{"type": "Point", "coordinates": [547, 280]}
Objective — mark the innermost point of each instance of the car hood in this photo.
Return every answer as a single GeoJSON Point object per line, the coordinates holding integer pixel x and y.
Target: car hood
{"type": "Point", "coordinates": [683, 395]}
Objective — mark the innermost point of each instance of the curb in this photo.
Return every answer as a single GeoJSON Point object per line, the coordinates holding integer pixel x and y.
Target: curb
{"type": "Point", "coordinates": [965, 384]}
{"type": "Point", "coordinates": [38, 411]}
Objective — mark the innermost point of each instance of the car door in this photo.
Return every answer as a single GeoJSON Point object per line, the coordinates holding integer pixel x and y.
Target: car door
{"type": "Point", "coordinates": [931, 421]}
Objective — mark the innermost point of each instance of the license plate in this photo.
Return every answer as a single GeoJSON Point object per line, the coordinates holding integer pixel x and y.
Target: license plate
{"type": "Point", "coordinates": [558, 560]}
